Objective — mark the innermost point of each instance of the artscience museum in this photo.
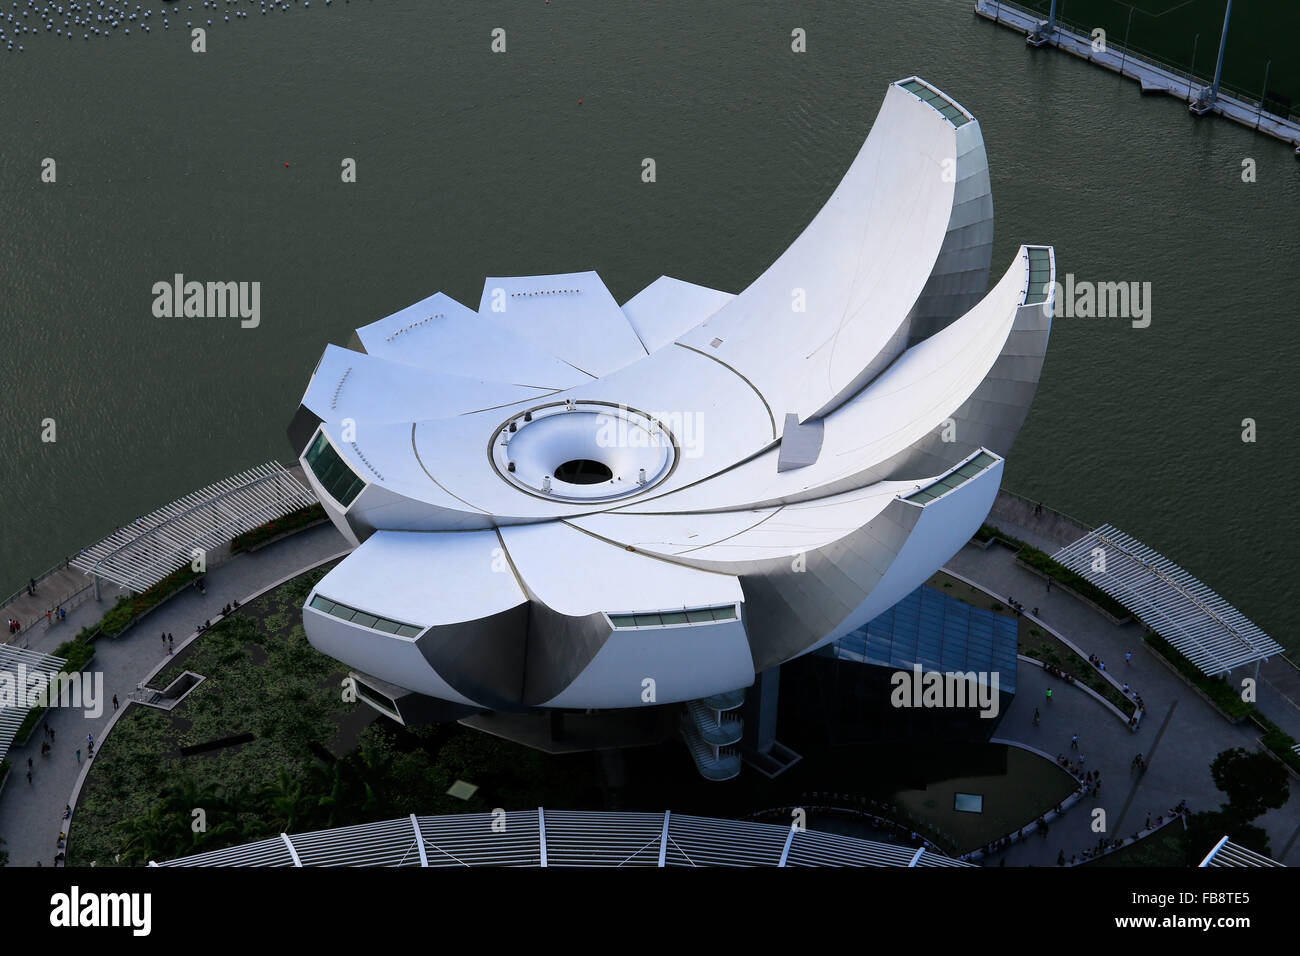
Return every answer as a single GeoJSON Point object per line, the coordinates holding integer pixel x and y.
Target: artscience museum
{"type": "Point", "coordinates": [562, 503]}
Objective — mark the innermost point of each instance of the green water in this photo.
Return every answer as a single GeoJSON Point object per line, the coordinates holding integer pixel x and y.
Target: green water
{"type": "Point", "coordinates": [472, 163]}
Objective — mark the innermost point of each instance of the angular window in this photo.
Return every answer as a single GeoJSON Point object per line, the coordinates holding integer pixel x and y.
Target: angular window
{"type": "Point", "coordinates": [339, 481]}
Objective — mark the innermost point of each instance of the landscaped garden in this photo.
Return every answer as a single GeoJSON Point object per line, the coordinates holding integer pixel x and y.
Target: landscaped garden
{"type": "Point", "coordinates": [314, 760]}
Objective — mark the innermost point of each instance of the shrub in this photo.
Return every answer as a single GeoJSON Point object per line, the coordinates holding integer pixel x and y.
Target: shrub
{"type": "Point", "coordinates": [1221, 692]}
{"type": "Point", "coordinates": [127, 609]}
{"type": "Point", "coordinates": [293, 521]}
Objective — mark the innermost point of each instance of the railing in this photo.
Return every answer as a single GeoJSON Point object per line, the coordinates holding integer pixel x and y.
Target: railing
{"type": "Point", "coordinates": [1184, 73]}
{"type": "Point", "coordinates": [71, 599]}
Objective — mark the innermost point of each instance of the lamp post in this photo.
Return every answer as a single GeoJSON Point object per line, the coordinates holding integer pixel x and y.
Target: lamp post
{"type": "Point", "coordinates": [1223, 43]}
{"type": "Point", "coordinates": [1263, 93]}
{"type": "Point", "coordinates": [1124, 58]}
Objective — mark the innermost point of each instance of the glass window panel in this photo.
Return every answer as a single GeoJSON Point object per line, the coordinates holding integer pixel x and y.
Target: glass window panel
{"type": "Point", "coordinates": [365, 620]}
{"type": "Point", "coordinates": [387, 626]}
{"type": "Point", "coordinates": [675, 617]}
{"type": "Point", "coordinates": [647, 620]}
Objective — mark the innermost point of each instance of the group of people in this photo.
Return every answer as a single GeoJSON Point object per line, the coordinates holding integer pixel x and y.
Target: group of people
{"type": "Point", "coordinates": [1063, 676]}
{"type": "Point", "coordinates": [1076, 769]}
{"type": "Point", "coordinates": [14, 626]}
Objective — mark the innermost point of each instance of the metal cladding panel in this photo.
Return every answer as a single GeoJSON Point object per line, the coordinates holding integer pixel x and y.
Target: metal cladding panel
{"type": "Point", "coordinates": [861, 265]}
{"type": "Point", "coordinates": [959, 274]}
{"type": "Point", "coordinates": [482, 839]}
{"type": "Point", "coordinates": [685, 663]}
{"type": "Point", "coordinates": [800, 444]}
{"type": "Point", "coordinates": [482, 659]}
{"type": "Point", "coordinates": [301, 427]}
{"type": "Point", "coordinates": [788, 611]}
{"type": "Point", "coordinates": [567, 838]}
{"type": "Point", "coordinates": [668, 308]}
{"type": "Point", "coordinates": [867, 439]}
{"type": "Point", "coordinates": [560, 647]}
{"type": "Point", "coordinates": [365, 389]}
{"type": "Point", "coordinates": [942, 528]}
{"type": "Point", "coordinates": [701, 841]}
{"type": "Point", "coordinates": [572, 315]}
{"type": "Point", "coordinates": [995, 411]}
{"type": "Point", "coordinates": [272, 852]}
{"type": "Point", "coordinates": [441, 334]}
{"type": "Point", "coordinates": [387, 843]}
{"type": "Point", "coordinates": [391, 658]}
{"type": "Point", "coordinates": [894, 338]}
{"type": "Point", "coordinates": [575, 838]}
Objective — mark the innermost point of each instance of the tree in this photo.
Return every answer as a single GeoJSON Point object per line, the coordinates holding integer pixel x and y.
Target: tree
{"type": "Point", "coordinates": [1253, 781]}
{"type": "Point", "coordinates": [1206, 829]}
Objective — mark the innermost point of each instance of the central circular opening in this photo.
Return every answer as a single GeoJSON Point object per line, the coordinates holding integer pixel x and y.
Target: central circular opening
{"type": "Point", "coordinates": [583, 471]}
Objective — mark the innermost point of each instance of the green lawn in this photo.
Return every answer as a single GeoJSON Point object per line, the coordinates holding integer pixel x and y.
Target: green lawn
{"type": "Point", "coordinates": [1166, 30]}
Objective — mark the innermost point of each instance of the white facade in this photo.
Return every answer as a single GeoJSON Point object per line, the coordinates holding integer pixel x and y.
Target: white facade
{"type": "Point", "coordinates": [560, 502]}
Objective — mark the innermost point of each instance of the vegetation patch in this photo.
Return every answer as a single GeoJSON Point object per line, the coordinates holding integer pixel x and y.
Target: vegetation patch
{"type": "Point", "coordinates": [1043, 563]}
{"type": "Point", "coordinates": [127, 609]}
{"type": "Point", "coordinates": [301, 771]}
{"type": "Point", "coordinates": [293, 521]}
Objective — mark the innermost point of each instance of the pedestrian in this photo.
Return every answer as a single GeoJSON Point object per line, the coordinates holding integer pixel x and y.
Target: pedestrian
{"type": "Point", "coordinates": [1074, 742]}
{"type": "Point", "coordinates": [1049, 585]}
{"type": "Point", "coordinates": [29, 776]}
{"type": "Point", "coordinates": [1036, 615]}
{"type": "Point", "coordinates": [171, 641]}
{"type": "Point", "coordinates": [51, 735]}
{"type": "Point", "coordinates": [1035, 716]}
{"type": "Point", "coordinates": [29, 763]}
{"type": "Point", "coordinates": [90, 739]}
{"type": "Point", "coordinates": [1082, 758]}
{"type": "Point", "coordinates": [90, 750]}
{"type": "Point", "coordinates": [1049, 695]}
{"type": "Point", "coordinates": [67, 811]}
{"type": "Point", "coordinates": [164, 638]}
{"type": "Point", "coordinates": [78, 755]}
{"type": "Point", "coordinates": [115, 702]}
{"type": "Point", "coordinates": [1128, 658]}
{"type": "Point", "coordinates": [1126, 689]}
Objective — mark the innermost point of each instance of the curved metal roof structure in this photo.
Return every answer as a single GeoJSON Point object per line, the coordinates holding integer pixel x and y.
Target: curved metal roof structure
{"type": "Point", "coordinates": [567, 838]}
{"type": "Point", "coordinates": [1201, 626]}
{"type": "Point", "coordinates": [559, 502]}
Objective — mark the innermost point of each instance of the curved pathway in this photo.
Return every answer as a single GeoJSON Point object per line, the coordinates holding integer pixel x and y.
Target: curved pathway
{"type": "Point", "coordinates": [31, 815]}
{"type": "Point", "coordinates": [1180, 735]}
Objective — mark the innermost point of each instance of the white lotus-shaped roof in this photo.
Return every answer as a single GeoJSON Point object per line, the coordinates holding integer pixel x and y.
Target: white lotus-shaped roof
{"type": "Point", "coordinates": [562, 502]}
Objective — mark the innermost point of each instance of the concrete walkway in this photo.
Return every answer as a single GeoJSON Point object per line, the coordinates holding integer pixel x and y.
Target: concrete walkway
{"type": "Point", "coordinates": [1179, 737]}
{"type": "Point", "coordinates": [31, 815]}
